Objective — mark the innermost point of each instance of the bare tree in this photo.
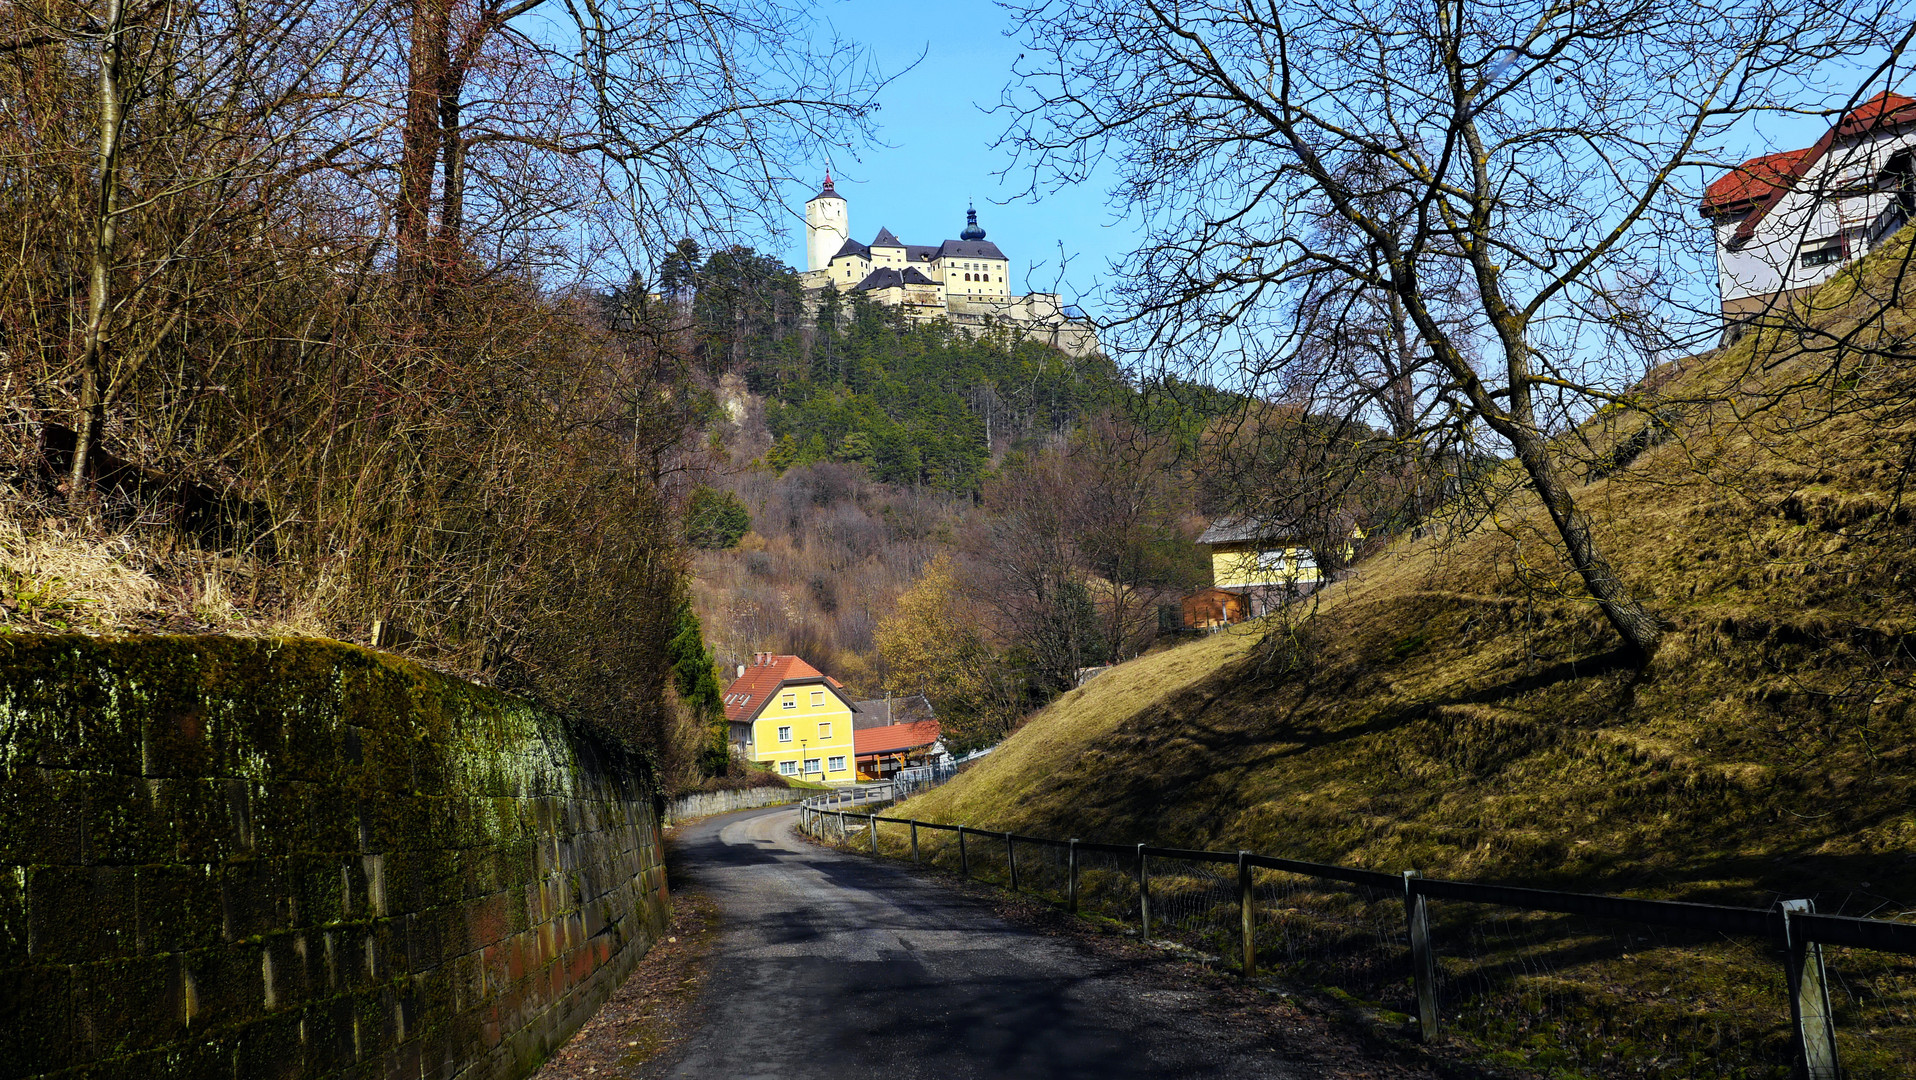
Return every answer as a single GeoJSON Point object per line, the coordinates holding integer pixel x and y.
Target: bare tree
{"type": "Point", "coordinates": [1534, 150]}
{"type": "Point", "coordinates": [684, 114]}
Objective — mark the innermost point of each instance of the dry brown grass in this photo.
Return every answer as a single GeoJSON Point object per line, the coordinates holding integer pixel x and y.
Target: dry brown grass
{"type": "Point", "coordinates": [1466, 711]}
{"type": "Point", "coordinates": [59, 578]}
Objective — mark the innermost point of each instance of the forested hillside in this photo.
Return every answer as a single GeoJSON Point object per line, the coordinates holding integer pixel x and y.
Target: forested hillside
{"type": "Point", "coordinates": [857, 449]}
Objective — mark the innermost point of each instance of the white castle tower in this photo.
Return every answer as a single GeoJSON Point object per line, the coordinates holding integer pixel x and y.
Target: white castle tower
{"type": "Point", "coordinates": [827, 226]}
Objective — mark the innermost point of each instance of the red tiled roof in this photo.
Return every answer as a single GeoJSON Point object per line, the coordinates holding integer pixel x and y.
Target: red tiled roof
{"type": "Point", "coordinates": [750, 691]}
{"type": "Point", "coordinates": [1884, 107]}
{"type": "Point", "coordinates": [894, 737]}
{"type": "Point", "coordinates": [1761, 181]}
{"type": "Point", "coordinates": [1755, 179]}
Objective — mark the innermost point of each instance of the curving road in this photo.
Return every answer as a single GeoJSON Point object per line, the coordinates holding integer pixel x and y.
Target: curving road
{"type": "Point", "coordinates": [831, 965]}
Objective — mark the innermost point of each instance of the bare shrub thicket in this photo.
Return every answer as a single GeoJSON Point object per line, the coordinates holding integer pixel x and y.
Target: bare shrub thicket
{"type": "Point", "coordinates": [829, 554]}
{"type": "Point", "coordinates": [296, 324]}
{"type": "Point", "coordinates": [1076, 549]}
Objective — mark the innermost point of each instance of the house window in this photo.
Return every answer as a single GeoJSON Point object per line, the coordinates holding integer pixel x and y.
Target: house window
{"type": "Point", "coordinates": [811, 764]}
{"type": "Point", "coordinates": [824, 731]}
{"type": "Point", "coordinates": [785, 734]}
{"type": "Point", "coordinates": [788, 768]}
{"type": "Point", "coordinates": [1822, 252]}
{"type": "Point", "coordinates": [790, 701]}
{"type": "Point", "coordinates": [837, 763]}
{"type": "Point", "coordinates": [1270, 560]}
{"type": "Point", "coordinates": [818, 697]}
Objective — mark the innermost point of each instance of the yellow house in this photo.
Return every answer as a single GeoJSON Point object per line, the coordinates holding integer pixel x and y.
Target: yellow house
{"type": "Point", "coordinates": [1264, 560]}
{"type": "Point", "coordinates": [787, 713]}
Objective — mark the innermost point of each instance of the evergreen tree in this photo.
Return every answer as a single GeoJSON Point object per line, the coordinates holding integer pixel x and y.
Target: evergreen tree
{"type": "Point", "coordinates": [695, 676]}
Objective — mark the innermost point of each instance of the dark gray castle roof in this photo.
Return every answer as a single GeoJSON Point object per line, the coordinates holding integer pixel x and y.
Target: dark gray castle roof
{"type": "Point", "coordinates": [969, 249]}
{"type": "Point", "coordinates": [924, 253]}
{"type": "Point", "coordinates": [885, 277]}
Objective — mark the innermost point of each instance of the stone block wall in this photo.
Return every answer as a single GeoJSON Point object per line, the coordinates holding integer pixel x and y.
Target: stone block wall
{"type": "Point", "coordinates": [701, 803]}
{"type": "Point", "coordinates": [260, 859]}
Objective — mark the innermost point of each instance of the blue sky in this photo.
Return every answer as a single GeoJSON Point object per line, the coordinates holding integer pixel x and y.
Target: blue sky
{"type": "Point", "coordinates": [935, 153]}
{"type": "Point", "coordinates": [935, 150]}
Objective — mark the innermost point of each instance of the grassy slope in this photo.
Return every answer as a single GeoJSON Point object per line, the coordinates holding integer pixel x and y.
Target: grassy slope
{"type": "Point", "coordinates": [1465, 713]}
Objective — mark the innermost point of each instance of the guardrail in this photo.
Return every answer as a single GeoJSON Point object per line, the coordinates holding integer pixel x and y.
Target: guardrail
{"type": "Point", "coordinates": [1796, 930]}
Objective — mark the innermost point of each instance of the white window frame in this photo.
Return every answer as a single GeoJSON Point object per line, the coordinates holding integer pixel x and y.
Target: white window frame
{"type": "Point", "coordinates": [788, 768]}
{"type": "Point", "coordinates": [811, 766]}
{"type": "Point", "coordinates": [789, 701]}
{"type": "Point", "coordinates": [835, 763]}
{"type": "Point", "coordinates": [818, 697]}
{"type": "Point", "coordinates": [785, 733]}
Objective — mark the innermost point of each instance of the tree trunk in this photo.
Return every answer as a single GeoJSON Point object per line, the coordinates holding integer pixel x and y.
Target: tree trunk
{"type": "Point", "coordinates": [426, 62]}
{"type": "Point", "coordinates": [91, 414]}
{"type": "Point", "coordinates": [452, 205]}
{"type": "Point", "coordinates": [1637, 626]}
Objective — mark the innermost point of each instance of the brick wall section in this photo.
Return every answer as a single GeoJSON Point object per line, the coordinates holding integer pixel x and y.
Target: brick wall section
{"type": "Point", "coordinates": [260, 859]}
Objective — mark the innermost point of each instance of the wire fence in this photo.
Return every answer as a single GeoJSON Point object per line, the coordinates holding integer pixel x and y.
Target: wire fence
{"type": "Point", "coordinates": [1567, 983]}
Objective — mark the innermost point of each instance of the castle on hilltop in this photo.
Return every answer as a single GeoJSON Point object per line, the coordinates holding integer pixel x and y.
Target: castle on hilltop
{"type": "Point", "coordinates": [965, 281]}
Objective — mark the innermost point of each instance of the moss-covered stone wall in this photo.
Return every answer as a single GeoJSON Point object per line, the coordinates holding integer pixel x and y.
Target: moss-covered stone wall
{"type": "Point", "coordinates": [258, 859]}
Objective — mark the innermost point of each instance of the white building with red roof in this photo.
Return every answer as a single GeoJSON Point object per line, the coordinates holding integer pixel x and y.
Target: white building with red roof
{"type": "Point", "coordinates": [796, 719]}
{"type": "Point", "coordinates": [1787, 222]}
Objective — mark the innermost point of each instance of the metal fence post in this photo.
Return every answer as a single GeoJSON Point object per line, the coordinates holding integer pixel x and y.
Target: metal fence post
{"type": "Point", "coordinates": [1144, 896]}
{"type": "Point", "coordinates": [1246, 913]}
{"type": "Point", "coordinates": [1814, 1029]}
{"type": "Point", "coordinates": [842, 834]}
{"type": "Point", "coordinates": [964, 861]}
{"type": "Point", "coordinates": [1071, 874]}
{"type": "Point", "coordinates": [873, 820]}
{"type": "Point", "coordinates": [1423, 959]}
{"type": "Point", "coordinates": [1011, 862]}
{"type": "Point", "coordinates": [914, 841]}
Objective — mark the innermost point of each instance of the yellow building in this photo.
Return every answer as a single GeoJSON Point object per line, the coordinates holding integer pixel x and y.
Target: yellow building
{"type": "Point", "coordinates": [790, 715]}
{"type": "Point", "coordinates": [1264, 562]}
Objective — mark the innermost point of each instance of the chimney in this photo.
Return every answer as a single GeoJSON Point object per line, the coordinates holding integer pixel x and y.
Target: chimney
{"type": "Point", "coordinates": [741, 671]}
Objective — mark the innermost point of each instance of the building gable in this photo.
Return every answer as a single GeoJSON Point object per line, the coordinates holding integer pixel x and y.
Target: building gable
{"type": "Point", "coordinates": [759, 683]}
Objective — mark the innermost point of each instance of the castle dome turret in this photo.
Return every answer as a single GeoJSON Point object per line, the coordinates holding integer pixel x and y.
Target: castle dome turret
{"type": "Point", "coordinates": [828, 191]}
{"type": "Point", "coordinates": [972, 231]}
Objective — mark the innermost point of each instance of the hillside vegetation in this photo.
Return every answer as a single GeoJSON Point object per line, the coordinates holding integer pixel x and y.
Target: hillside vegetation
{"type": "Point", "coordinates": [1458, 706]}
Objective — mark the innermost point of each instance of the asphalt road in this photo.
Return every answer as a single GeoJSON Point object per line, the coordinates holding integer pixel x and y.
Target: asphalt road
{"type": "Point", "coordinates": [832, 965]}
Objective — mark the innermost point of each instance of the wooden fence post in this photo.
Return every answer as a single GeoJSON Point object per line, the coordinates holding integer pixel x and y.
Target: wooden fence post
{"type": "Point", "coordinates": [843, 835]}
{"type": "Point", "coordinates": [1144, 896]}
{"type": "Point", "coordinates": [1814, 1029]}
{"type": "Point", "coordinates": [964, 860]}
{"type": "Point", "coordinates": [914, 841]}
{"type": "Point", "coordinates": [1247, 914]}
{"type": "Point", "coordinates": [1011, 861]}
{"type": "Point", "coordinates": [1423, 959]}
{"type": "Point", "coordinates": [1071, 872]}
